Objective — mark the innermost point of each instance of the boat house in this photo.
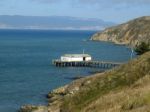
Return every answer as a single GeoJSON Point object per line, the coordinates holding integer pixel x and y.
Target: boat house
{"type": "Point", "coordinates": [76, 57]}
{"type": "Point", "coordinates": [82, 60]}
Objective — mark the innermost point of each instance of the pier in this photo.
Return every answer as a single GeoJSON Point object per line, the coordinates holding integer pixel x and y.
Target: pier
{"type": "Point", "coordinates": [94, 64]}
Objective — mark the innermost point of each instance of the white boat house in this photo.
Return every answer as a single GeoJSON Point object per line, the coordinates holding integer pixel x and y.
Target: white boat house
{"type": "Point", "coordinates": [76, 57]}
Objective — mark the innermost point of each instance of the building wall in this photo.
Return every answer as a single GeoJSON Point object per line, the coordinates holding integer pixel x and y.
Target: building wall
{"type": "Point", "coordinates": [88, 59]}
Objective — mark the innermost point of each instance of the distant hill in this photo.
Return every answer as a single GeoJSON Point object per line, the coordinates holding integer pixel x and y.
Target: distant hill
{"type": "Point", "coordinates": [131, 33]}
{"type": "Point", "coordinates": [51, 22]}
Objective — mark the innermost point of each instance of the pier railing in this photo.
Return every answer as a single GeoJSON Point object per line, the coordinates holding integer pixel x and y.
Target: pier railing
{"type": "Point", "coordinates": [95, 64]}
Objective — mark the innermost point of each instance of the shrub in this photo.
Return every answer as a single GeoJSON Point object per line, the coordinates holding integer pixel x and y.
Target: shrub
{"type": "Point", "coordinates": [142, 48]}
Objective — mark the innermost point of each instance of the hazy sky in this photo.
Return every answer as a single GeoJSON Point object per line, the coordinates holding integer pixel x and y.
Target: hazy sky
{"type": "Point", "coordinates": [109, 10]}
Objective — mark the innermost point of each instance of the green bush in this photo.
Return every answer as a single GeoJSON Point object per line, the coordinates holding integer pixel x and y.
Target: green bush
{"type": "Point", "coordinates": [142, 48]}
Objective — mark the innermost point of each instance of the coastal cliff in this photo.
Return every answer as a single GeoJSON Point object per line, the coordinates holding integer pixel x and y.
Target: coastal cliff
{"type": "Point", "coordinates": [130, 33]}
{"type": "Point", "coordinates": [125, 88]}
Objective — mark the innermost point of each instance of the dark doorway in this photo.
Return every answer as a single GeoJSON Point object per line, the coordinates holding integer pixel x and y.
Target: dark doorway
{"type": "Point", "coordinates": [84, 58]}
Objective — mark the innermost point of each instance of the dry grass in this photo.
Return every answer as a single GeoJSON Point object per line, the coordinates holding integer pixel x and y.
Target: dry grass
{"type": "Point", "coordinates": [124, 89]}
{"type": "Point", "coordinates": [131, 33]}
{"type": "Point", "coordinates": [132, 99]}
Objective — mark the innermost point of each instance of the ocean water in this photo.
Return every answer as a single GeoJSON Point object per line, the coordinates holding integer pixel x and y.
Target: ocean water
{"type": "Point", "coordinates": [26, 72]}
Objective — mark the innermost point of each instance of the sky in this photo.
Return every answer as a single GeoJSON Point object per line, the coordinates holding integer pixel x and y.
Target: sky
{"type": "Point", "coordinates": [117, 11]}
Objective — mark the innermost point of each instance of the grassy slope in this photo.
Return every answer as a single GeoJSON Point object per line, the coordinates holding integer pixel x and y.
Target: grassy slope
{"type": "Point", "coordinates": [131, 32]}
{"type": "Point", "coordinates": [126, 88]}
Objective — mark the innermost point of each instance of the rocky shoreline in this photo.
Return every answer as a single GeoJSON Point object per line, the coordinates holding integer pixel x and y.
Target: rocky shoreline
{"type": "Point", "coordinates": [104, 37]}
{"type": "Point", "coordinates": [56, 97]}
{"type": "Point", "coordinates": [130, 33]}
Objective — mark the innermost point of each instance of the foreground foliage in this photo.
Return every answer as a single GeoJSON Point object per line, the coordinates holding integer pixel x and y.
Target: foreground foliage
{"type": "Point", "coordinates": [123, 89]}
{"type": "Point", "coordinates": [142, 48]}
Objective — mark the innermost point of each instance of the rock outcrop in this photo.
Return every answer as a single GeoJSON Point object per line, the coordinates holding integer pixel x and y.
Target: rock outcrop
{"type": "Point", "coordinates": [130, 33]}
{"type": "Point", "coordinates": [56, 97]}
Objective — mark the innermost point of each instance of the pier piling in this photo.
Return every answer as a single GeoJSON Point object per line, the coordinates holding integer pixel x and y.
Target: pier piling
{"type": "Point", "coordinates": [94, 64]}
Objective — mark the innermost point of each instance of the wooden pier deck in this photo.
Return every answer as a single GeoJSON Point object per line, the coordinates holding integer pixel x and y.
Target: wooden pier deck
{"type": "Point", "coordinates": [94, 64]}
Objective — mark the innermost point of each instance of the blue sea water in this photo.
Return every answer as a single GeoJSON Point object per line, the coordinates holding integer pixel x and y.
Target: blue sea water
{"type": "Point", "coordinates": [26, 72]}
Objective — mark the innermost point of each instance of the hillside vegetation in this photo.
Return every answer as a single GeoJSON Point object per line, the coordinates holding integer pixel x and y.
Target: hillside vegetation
{"type": "Point", "coordinates": [123, 89]}
{"type": "Point", "coordinates": [131, 33]}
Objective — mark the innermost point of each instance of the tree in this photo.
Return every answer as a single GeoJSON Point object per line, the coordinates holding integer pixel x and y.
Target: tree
{"type": "Point", "coordinates": [142, 48]}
